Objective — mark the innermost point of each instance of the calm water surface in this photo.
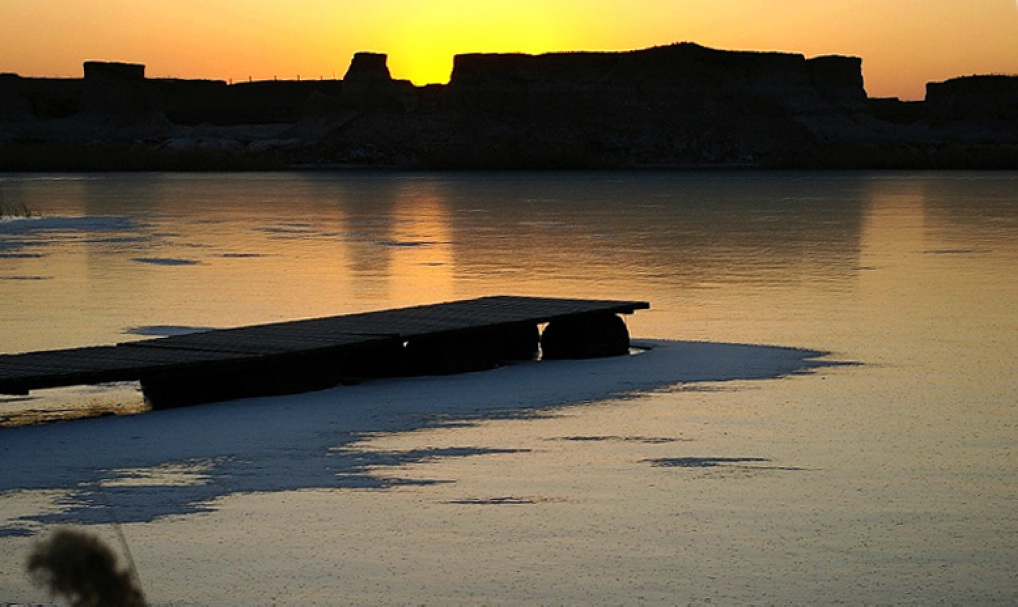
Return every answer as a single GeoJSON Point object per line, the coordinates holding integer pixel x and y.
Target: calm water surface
{"type": "Point", "coordinates": [895, 479]}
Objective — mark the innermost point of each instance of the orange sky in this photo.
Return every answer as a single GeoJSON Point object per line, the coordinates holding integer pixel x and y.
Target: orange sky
{"type": "Point", "coordinates": [903, 43]}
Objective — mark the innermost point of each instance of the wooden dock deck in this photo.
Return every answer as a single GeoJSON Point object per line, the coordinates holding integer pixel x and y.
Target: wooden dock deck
{"type": "Point", "coordinates": [303, 355]}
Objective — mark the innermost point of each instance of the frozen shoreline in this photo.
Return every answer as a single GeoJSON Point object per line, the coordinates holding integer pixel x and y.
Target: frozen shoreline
{"type": "Point", "coordinates": [178, 461]}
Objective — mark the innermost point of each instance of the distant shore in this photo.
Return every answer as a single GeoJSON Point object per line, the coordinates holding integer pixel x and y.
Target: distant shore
{"type": "Point", "coordinates": [134, 157]}
{"type": "Point", "coordinates": [681, 106]}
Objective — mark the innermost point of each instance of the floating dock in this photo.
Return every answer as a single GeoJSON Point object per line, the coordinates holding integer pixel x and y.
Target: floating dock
{"type": "Point", "coordinates": [313, 354]}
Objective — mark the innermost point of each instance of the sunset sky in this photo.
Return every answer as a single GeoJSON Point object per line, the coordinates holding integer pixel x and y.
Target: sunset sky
{"type": "Point", "coordinates": [903, 43]}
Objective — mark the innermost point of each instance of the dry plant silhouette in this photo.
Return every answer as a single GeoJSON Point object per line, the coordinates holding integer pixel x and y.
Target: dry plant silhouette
{"type": "Point", "coordinates": [84, 570]}
{"type": "Point", "coordinates": [13, 210]}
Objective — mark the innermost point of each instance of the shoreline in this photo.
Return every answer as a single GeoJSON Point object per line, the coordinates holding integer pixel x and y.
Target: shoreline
{"type": "Point", "coordinates": [239, 441]}
{"type": "Point", "coordinates": [680, 107]}
{"type": "Point", "coordinates": [131, 158]}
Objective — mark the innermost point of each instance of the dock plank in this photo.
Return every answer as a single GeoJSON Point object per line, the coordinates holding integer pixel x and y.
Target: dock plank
{"type": "Point", "coordinates": [288, 342]}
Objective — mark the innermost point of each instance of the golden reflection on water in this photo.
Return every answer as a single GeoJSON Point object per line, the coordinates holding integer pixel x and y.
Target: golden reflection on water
{"type": "Point", "coordinates": [885, 482]}
{"type": "Point", "coordinates": [844, 262]}
{"type": "Point", "coordinates": [422, 261]}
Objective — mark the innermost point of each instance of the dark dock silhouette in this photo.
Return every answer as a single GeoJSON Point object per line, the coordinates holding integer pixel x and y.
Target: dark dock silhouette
{"type": "Point", "coordinates": [318, 353]}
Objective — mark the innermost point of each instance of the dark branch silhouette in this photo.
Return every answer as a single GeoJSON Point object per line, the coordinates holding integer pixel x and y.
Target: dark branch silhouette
{"type": "Point", "coordinates": [84, 570]}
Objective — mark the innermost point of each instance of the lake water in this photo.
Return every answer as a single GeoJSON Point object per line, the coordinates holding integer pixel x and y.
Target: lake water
{"type": "Point", "coordinates": [891, 480]}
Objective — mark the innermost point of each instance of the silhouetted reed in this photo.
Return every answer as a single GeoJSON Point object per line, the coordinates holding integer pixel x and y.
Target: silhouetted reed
{"type": "Point", "coordinates": [82, 569]}
{"type": "Point", "coordinates": [12, 209]}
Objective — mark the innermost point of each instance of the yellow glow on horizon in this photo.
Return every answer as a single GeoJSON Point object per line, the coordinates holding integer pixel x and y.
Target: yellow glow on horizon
{"type": "Point", "coordinates": [904, 43]}
{"type": "Point", "coordinates": [421, 46]}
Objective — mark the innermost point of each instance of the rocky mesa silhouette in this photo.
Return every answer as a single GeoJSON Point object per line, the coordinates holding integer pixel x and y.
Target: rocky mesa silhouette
{"type": "Point", "coordinates": [681, 106]}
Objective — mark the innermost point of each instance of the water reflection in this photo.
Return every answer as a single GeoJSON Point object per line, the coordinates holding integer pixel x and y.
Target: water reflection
{"type": "Point", "coordinates": [709, 250]}
{"type": "Point", "coordinates": [684, 231]}
{"type": "Point", "coordinates": [902, 468]}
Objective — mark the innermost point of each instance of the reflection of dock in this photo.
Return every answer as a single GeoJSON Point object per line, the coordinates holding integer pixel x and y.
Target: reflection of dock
{"type": "Point", "coordinates": [303, 355]}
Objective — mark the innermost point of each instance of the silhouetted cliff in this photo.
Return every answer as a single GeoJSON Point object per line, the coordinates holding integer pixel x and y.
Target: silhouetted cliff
{"type": "Point", "coordinates": [117, 91]}
{"type": "Point", "coordinates": [674, 106]}
{"type": "Point", "coordinates": [975, 109]}
{"type": "Point", "coordinates": [974, 98]}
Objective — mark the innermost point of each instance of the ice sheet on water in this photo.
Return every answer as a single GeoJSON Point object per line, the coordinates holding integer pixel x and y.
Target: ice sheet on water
{"type": "Point", "coordinates": [26, 225]}
{"type": "Point", "coordinates": [17, 233]}
{"type": "Point", "coordinates": [164, 330]}
{"type": "Point", "coordinates": [408, 243]}
{"type": "Point", "coordinates": [316, 440]}
{"type": "Point", "coordinates": [166, 261]}
{"type": "Point", "coordinates": [290, 230]}
{"type": "Point", "coordinates": [170, 474]}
